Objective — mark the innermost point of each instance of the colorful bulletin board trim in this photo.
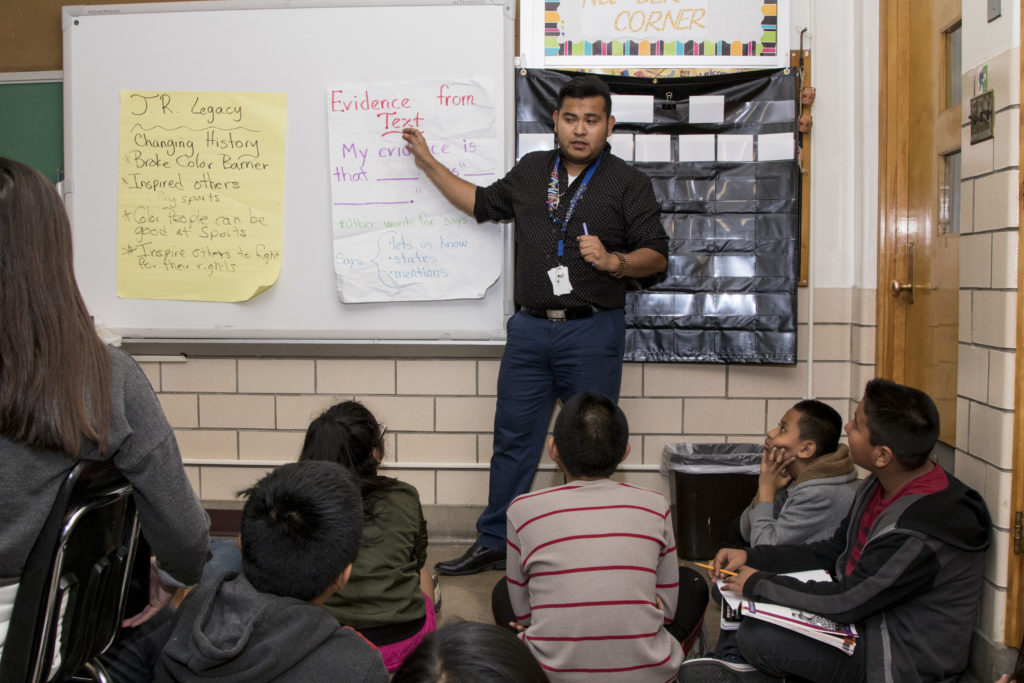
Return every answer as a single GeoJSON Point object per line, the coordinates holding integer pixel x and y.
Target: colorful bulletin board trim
{"type": "Point", "coordinates": [637, 32]}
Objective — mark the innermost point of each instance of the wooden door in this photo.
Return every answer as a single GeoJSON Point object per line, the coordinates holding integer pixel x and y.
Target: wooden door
{"type": "Point", "coordinates": [919, 215]}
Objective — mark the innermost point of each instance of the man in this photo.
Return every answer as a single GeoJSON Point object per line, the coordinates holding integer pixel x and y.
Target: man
{"type": "Point", "coordinates": [584, 220]}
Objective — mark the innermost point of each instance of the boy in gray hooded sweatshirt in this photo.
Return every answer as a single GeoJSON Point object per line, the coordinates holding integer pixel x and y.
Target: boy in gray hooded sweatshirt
{"type": "Point", "coordinates": [301, 527]}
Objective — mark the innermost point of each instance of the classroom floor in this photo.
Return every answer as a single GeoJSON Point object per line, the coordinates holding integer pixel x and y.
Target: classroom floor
{"type": "Point", "coordinates": [468, 598]}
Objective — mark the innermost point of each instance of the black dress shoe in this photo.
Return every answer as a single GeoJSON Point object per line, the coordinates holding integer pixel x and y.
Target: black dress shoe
{"type": "Point", "coordinates": [476, 559]}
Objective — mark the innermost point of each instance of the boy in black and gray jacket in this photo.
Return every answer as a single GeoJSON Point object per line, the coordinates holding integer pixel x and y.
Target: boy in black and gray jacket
{"type": "Point", "coordinates": [908, 562]}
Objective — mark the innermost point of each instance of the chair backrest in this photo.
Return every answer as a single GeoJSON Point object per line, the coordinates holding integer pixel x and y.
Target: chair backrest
{"type": "Point", "coordinates": [71, 595]}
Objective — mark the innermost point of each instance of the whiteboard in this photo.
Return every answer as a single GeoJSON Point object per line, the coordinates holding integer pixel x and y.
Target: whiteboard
{"type": "Point", "coordinates": [300, 49]}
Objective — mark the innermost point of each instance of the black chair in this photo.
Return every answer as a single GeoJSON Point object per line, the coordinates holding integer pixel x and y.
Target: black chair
{"type": "Point", "coordinates": [71, 597]}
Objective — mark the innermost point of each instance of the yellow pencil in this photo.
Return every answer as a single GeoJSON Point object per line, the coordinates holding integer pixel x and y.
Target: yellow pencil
{"type": "Point", "coordinates": [723, 571]}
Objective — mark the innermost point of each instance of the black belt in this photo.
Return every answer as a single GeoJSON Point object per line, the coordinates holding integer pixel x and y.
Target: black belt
{"type": "Point", "coordinates": [560, 315]}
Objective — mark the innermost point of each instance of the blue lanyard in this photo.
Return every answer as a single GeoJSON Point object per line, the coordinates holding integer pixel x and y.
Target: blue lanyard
{"type": "Point", "coordinates": [572, 204]}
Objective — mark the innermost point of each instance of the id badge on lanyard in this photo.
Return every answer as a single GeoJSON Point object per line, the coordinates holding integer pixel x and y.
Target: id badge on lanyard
{"type": "Point", "coordinates": [559, 275]}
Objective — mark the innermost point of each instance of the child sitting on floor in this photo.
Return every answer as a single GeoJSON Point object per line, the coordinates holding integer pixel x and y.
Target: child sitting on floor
{"type": "Point", "coordinates": [388, 597]}
{"type": "Point", "coordinates": [807, 479]}
{"type": "Point", "coordinates": [593, 581]}
{"type": "Point", "coordinates": [300, 532]}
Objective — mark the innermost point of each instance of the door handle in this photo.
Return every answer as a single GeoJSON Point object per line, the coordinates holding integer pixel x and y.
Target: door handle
{"type": "Point", "coordinates": [897, 287]}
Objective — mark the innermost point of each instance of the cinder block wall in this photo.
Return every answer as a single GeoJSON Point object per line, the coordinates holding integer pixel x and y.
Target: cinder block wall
{"type": "Point", "coordinates": [236, 418]}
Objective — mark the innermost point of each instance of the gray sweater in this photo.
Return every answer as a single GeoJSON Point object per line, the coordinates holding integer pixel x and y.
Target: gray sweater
{"type": "Point", "coordinates": [809, 509]}
{"type": "Point", "coordinates": [143, 448]}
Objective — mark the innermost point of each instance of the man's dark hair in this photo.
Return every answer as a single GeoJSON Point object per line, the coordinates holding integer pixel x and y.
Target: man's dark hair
{"type": "Point", "coordinates": [903, 418]}
{"type": "Point", "coordinates": [588, 85]}
{"type": "Point", "coordinates": [470, 652]}
{"type": "Point", "coordinates": [301, 526]}
{"type": "Point", "coordinates": [820, 423]}
{"type": "Point", "coordinates": [591, 434]}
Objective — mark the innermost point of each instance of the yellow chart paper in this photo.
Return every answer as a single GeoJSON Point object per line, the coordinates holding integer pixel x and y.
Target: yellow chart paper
{"type": "Point", "coordinates": [200, 202]}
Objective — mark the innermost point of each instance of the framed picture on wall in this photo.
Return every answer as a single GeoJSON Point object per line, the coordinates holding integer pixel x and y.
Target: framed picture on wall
{"type": "Point", "coordinates": [641, 33]}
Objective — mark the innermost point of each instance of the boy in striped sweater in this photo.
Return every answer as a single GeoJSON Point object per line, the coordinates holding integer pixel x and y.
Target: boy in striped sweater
{"type": "Point", "coordinates": [593, 583]}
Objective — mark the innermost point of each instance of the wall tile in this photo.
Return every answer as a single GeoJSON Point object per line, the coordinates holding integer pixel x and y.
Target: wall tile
{"type": "Point", "coordinates": [768, 380]}
{"type": "Point", "coordinates": [546, 478]}
{"type": "Point", "coordinates": [976, 159]}
{"type": "Point", "coordinates": [963, 416]}
{"type": "Point", "coordinates": [653, 415]}
{"type": "Point", "coordinates": [684, 379]}
{"type": "Point", "coordinates": [152, 372]}
{"type": "Point", "coordinates": [860, 375]}
{"type": "Point", "coordinates": [192, 472]}
{"type": "Point", "coordinates": [1003, 78]}
{"type": "Point", "coordinates": [277, 445]}
{"type": "Point", "coordinates": [653, 481]}
{"type": "Point", "coordinates": [475, 414]}
{"type": "Point", "coordinates": [965, 316]}
{"type": "Point", "coordinates": [182, 410]}
{"type": "Point", "coordinates": [422, 480]}
{"type": "Point", "coordinates": [1004, 260]}
{"type": "Point", "coordinates": [632, 384]}
{"type": "Point", "coordinates": [487, 377]}
{"type": "Point", "coordinates": [434, 377]}
{"type": "Point", "coordinates": [355, 376]}
{"type": "Point", "coordinates": [997, 557]}
{"type": "Point", "coordinates": [976, 260]}
{"type": "Point", "coordinates": [863, 340]}
{"type": "Point", "coordinates": [200, 374]}
{"type": "Point", "coordinates": [802, 303]}
{"type": "Point", "coordinates": [236, 410]}
{"type": "Point", "coordinates": [972, 372]}
{"type": "Point", "coordinates": [485, 447]}
{"type": "Point", "coordinates": [724, 416]}
{"type": "Point", "coordinates": [997, 496]}
{"type": "Point", "coordinates": [1007, 134]}
{"type": "Point", "coordinates": [402, 413]}
{"type": "Point", "coordinates": [966, 206]}
{"type": "Point", "coordinates": [995, 203]}
{"type": "Point", "coordinates": [994, 318]}
{"type": "Point", "coordinates": [436, 448]}
{"type": "Point", "coordinates": [296, 412]}
{"type": "Point", "coordinates": [456, 487]}
{"type": "Point", "coordinates": [654, 445]}
{"type": "Point", "coordinates": [991, 435]}
{"type": "Point", "coordinates": [833, 305]}
{"type": "Point", "coordinates": [224, 483]}
{"type": "Point", "coordinates": [207, 444]}
{"type": "Point", "coordinates": [831, 380]}
{"type": "Point", "coordinates": [832, 342]}
{"type": "Point", "coordinates": [865, 305]}
{"type": "Point", "coordinates": [276, 376]}
{"type": "Point", "coordinates": [1001, 367]}
{"type": "Point", "coordinates": [970, 470]}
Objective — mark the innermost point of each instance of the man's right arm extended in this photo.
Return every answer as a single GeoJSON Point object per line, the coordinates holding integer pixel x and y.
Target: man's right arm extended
{"type": "Point", "coordinates": [461, 193]}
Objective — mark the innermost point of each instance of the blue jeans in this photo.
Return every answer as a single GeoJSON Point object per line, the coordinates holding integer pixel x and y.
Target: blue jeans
{"type": "Point", "coordinates": [543, 361]}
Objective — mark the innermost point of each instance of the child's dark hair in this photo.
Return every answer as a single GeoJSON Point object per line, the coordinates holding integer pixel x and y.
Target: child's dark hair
{"type": "Point", "coordinates": [584, 86]}
{"type": "Point", "coordinates": [903, 418]}
{"type": "Point", "coordinates": [820, 423]}
{"type": "Point", "coordinates": [591, 434]}
{"type": "Point", "coordinates": [301, 526]}
{"type": "Point", "coordinates": [470, 652]}
{"type": "Point", "coordinates": [347, 433]}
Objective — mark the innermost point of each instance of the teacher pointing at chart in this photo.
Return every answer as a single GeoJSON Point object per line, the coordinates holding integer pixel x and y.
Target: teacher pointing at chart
{"type": "Point", "coordinates": [584, 220]}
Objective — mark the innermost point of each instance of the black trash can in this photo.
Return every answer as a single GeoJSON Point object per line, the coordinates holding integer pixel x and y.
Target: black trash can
{"type": "Point", "coordinates": [711, 483]}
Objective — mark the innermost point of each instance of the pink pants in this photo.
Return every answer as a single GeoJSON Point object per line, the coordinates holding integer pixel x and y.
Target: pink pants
{"type": "Point", "coordinates": [395, 653]}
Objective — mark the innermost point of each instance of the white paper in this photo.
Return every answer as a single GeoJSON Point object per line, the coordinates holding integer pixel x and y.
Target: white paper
{"type": "Point", "coordinates": [735, 147]}
{"type": "Point", "coordinates": [696, 148]}
{"type": "Point", "coordinates": [622, 145]}
{"type": "Point", "coordinates": [653, 147]}
{"type": "Point", "coordinates": [396, 238]}
{"type": "Point", "coordinates": [535, 142]}
{"type": "Point", "coordinates": [707, 108]}
{"type": "Point", "coordinates": [775, 146]}
{"type": "Point", "coordinates": [633, 108]}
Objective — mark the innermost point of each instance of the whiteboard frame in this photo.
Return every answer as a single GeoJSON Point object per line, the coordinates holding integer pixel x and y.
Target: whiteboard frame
{"type": "Point", "coordinates": [481, 320]}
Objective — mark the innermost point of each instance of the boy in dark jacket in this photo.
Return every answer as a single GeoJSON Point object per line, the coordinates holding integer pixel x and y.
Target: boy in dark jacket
{"type": "Point", "coordinates": [908, 562]}
{"type": "Point", "coordinates": [301, 527]}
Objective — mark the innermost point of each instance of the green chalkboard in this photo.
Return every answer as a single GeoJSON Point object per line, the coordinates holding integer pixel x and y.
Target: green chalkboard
{"type": "Point", "coordinates": [31, 125]}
